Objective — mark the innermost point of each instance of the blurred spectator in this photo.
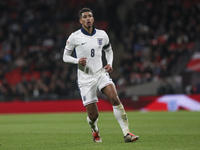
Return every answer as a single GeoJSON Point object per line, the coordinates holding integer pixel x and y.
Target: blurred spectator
{"type": "Point", "coordinates": [157, 34]}
{"type": "Point", "coordinates": [154, 34]}
{"type": "Point", "coordinates": [193, 88]}
{"type": "Point", "coordinates": [165, 88]}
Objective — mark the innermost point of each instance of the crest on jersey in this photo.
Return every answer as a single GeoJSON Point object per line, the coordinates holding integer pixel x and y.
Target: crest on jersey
{"type": "Point", "coordinates": [99, 40]}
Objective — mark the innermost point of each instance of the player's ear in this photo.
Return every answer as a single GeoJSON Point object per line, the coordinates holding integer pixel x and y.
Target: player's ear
{"type": "Point", "coordinates": [80, 21]}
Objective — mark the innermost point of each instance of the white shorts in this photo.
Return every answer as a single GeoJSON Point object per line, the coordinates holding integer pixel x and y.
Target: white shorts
{"type": "Point", "coordinates": [88, 85]}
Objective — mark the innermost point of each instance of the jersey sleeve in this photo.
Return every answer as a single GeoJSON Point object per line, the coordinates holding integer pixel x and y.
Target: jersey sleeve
{"type": "Point", "coordinates": [108, 50]}
{"type": "Point", "coordinates": [107, 45]}
{"type": "Point", "coordinates": [69, 47]}
{"type": "Point", "coordinates": [70, 43]}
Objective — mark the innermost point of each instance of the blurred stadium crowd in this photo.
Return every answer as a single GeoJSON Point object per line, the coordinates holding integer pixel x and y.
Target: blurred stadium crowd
{"type": "Point", "coordinates": [152, 34]}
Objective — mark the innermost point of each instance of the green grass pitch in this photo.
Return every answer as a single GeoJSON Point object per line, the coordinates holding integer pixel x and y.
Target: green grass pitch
{"type": "Point", "coordinates": [70, 131]}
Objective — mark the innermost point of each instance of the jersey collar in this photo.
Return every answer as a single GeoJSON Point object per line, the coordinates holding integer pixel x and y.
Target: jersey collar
{"type": "Point", "coordinates": [86, 33]}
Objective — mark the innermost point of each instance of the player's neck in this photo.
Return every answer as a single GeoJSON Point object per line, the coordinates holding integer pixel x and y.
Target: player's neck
{"type": "Point", "coordinates": [89, 30]}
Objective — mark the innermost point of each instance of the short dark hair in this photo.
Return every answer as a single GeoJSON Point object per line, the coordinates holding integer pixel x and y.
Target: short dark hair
{"type": "Point", "coordinates": [84, 10]}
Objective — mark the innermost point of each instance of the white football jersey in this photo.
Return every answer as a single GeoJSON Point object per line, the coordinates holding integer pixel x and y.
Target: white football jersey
{"type": "Point", "coordinates": [89, 46]}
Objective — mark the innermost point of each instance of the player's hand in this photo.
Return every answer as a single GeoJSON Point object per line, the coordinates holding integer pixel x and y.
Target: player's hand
{"type": "Point", "coordinates": [108, 68]}
{"type": "Point", "coordinates": [82, 61]}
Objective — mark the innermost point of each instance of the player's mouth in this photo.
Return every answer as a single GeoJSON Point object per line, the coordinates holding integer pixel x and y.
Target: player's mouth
{"type": "Point", "coordinates": [89, 23]}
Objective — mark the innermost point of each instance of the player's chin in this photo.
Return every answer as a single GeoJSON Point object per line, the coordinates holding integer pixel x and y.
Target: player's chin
{"type": "Point", "coordinates": [88, 25]}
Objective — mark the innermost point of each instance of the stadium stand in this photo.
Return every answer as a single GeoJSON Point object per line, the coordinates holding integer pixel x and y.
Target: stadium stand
{"type": "Point", "coordinates": [155, 40]}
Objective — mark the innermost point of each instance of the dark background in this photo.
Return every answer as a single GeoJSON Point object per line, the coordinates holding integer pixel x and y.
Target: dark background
{"type": "Point", "coordinates": [152, 41]}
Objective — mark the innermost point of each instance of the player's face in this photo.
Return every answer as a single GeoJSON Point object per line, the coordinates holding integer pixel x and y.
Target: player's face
{"type": "Point", "coordinates": [87, 20]}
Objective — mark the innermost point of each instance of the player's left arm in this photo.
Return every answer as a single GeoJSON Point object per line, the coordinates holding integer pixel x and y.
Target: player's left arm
{"type": "Point", "coordinates": [108, 53]}
{"type": "Point", "coordinates": [109, 57]}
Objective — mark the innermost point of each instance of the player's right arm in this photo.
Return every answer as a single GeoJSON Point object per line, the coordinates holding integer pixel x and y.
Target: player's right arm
{"type": "Point", "coordinates": [69, 47]}
{"type": "Point", "coordinates": [68, 58]}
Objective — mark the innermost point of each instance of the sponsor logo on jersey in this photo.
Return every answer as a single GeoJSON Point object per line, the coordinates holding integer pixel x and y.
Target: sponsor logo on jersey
{"type": "Point", "coordinates": [99, 40]}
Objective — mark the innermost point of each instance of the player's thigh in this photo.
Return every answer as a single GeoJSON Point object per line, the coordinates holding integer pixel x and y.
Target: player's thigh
{"type": "Point", "coordinates": [111, 93]}
{"type": "Point", "coordinates": [104, 81]}
{"type": "Point", "coordinates": [107, 87]}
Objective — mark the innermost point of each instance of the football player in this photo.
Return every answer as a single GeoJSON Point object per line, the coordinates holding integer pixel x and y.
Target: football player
{"type": "Point", "coordinates": [88, 43]}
